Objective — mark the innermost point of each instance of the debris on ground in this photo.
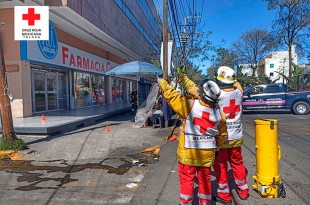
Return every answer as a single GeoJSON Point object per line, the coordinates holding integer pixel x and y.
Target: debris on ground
{"type": "Point", "coordinates": [152, 150]}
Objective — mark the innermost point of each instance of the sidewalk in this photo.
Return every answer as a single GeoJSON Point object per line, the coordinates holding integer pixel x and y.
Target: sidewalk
{"type": "Point", "coordinates": [86, 166]}
{"type": "Point", "coordinates": [67, 120]}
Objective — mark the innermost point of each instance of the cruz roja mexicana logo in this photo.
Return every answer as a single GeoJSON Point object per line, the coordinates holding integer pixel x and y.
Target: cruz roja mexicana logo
{"type": "Point", "coordinates": [31, 22]}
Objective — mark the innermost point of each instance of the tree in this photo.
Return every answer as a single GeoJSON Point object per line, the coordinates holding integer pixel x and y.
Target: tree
{"type": "Point", "coordinates": [9, 140]}
{"type": "Point", "coordinates": [246, 81]}
{"type": "Point", "coordinates": [194, 52]}
{"type": "Point", "coordinates": [252, 47]}
{"type": "Point", "coordinates": [296, 81]}
{"type": "Point", "coordinates": [195, 73]}
{"type": "Point", "coordinates": [222, 57]}
{"type": "Point", "coordinates": [292, 23]}
{"type": "Point", "coordinates": [6, 113]}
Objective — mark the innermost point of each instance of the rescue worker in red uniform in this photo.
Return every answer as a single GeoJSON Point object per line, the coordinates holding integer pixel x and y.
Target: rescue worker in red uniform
{"type": "Point", "coordinates": [203, 130]}
{"type": "Point", "coordinates": [230, 102]}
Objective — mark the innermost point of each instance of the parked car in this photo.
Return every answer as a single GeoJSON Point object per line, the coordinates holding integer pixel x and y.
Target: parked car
{"type": "Point", "coordinates": [275, 96]}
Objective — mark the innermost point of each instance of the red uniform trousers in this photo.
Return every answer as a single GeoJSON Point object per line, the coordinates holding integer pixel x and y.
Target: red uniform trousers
{"type": "Point", "coordinates": [187, 176]}
{"type": "Point", "coordinates": [234, 157]}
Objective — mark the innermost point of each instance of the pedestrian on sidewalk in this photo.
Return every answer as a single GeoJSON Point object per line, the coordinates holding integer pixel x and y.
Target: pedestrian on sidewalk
{"type": "Point", "coordinates": [203, 131]}
{"type": "Point", "coordinates": [230, 102]}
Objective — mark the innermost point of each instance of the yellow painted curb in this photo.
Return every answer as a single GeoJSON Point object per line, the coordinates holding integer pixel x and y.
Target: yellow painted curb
{"type": "Point", "coordinates": [12, 154]}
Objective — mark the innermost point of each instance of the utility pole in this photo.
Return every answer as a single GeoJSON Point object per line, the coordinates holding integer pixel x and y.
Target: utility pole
{"type": "Point", "coordinates": [5, 103]}
{"type": "Point", "coordinates": [165, 40]}
{"type": "Point", "coordinates": [184, 38]}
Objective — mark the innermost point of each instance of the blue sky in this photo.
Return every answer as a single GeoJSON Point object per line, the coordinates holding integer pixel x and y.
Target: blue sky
{"type": "Point", "coordinates": [229, 19]}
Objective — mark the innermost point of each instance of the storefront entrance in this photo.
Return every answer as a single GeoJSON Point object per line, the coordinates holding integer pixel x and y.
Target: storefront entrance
{"type": "Point", "coordinates": [49, 90]}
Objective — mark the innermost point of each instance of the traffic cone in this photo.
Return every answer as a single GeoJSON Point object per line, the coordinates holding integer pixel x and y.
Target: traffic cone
{"type": "Point", "coordinates": [43, 118]}
{"type": "Point", "coordinates": [107, 129]}
{"type": "Point", "coordinates": [173, 137]}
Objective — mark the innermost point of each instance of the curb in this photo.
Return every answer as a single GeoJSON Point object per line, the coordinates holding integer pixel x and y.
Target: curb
{"type": "Point", "coordinates": [11, 154]}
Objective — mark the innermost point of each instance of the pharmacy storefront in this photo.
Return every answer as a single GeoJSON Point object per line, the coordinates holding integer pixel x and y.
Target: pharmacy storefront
{"type": "Point", "coordinates": [64, 77]}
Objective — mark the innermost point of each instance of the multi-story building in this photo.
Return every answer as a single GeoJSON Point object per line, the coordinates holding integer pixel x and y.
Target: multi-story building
{"type": "Point", "coordinates": [87, 38]}
{"type": "Point", "coordinates": [274, 65]}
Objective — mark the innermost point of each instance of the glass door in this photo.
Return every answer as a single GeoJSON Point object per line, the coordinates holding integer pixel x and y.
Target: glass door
{"type": "Point", "coordinates": [51, 92]}
{"type": "Point", "coordinates": [39, 90]}
{"type": "Point", "coordinates": [62, 92]}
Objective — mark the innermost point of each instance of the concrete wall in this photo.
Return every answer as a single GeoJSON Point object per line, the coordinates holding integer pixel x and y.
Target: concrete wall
{"type": "Point", "coordinates": [18, 77]}
{"type": "Point", "coordinates": [107, 16]}
{"type": "Point", "coordinates": [19, 72]}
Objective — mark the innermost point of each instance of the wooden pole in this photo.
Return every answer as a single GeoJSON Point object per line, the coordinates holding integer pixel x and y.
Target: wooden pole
{"type": "Point", "coordinates": [165, 40]}
{"type": "Point", "coordinates": [5, 103]}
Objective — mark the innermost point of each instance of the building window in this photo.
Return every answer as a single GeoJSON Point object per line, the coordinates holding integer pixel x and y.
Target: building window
{"type": "Point", "coordinates": [89, 89]}
{"type": "Point", "coordinates": [271, 74]}
{"type": "Point", "coordinates": [132, 18]}
{"type": "Point", "coordinates": [117, 90]}
{"type": "Point", "coordinates": [271, 65]}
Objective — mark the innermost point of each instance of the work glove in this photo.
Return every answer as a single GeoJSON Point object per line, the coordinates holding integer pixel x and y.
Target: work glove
{"type": "Point", "coordinates": [181, 70]}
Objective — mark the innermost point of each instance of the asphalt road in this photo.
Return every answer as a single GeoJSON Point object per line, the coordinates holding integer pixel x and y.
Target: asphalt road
{"type": "Point", "coordinates": [161, 184]}
{"type": "Point", "coordinates": [89, 166]}
{"type": "Point", "coordinates": [294, 165]}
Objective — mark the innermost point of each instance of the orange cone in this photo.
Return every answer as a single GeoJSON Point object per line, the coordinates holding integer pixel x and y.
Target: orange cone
{"type": "Point", "coordinates": [107, 129]}
{"type": "Point", "coordinates": [174, 137]}
{"type": "Point", "coordinates": [43, 118]}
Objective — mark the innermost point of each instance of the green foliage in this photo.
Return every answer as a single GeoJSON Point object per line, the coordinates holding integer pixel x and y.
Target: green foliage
{"type": "Point", "coordinates": [195, 74]}
{"type": "Point", "coordinates": [156, 63]}
{"type": "Point", "coordinates": [247, 81]}
{"type": "Point", "coordinates": [196, 50]}
{"type": "Point", "coordinates": [292, 24]}
{"type": "Point", "coordinates": [252, 47]}
{"type": "Point", "coordinates": [295, 82]}
{"type": "Point", "coordinates": [14, 144]}
{"type": "Point", "coordinates": [224, 57]}
{"type": "Point", "coordinates": [211, 72]}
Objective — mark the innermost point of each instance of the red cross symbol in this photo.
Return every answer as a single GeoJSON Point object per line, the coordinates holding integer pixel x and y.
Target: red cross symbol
{"type": "Point", "coordinates": [31, 17]}
{"type": "Point", "coordinates": [204, 123]}
{"type": "Point", "coordinates": [232, 109]}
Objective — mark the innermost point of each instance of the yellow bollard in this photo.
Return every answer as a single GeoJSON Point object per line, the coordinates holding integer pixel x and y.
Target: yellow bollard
{"type": "Point", "coordinates": [268, 153]}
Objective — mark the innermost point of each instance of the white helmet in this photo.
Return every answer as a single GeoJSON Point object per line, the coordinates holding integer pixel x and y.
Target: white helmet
{"type": "Point", "coordinates": [210, 91]}
{"type": "Point", "coordinates": [226, 75]}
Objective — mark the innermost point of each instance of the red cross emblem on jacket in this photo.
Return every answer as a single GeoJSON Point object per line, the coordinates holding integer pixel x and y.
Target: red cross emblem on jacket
{"type": "Point", "coordinates": [204, 122]}
{"type": "Point", "coordinates": [232, 109]}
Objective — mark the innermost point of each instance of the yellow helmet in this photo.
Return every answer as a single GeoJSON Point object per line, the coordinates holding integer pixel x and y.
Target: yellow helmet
{"type": "Point", "coordinates": [226, 75]}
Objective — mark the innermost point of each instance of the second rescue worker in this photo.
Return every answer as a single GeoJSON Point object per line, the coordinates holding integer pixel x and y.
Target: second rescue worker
{"type": "Point", "coordinates": [203, 131]}
{"type": "Point", "coordinates": [230, 103]}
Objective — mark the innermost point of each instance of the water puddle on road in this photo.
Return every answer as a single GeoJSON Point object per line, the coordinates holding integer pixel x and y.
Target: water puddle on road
{"type": "Point", "coordinates": [34, 172]}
